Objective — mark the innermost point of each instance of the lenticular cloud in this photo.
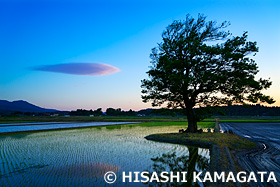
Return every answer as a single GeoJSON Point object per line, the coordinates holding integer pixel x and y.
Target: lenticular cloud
{"type": "Point", "coordinates": [80, 68]}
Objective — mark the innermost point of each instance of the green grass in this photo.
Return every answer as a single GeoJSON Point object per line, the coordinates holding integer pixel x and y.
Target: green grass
{"type": "Point", "coordinates": [249, 120]}
{"type": "Point", "coordinates": [246, 120]}
{"type": "Point", "coordinates": [184, 124]}
{"type": "Point", "coordinates": [30, 119]}
{"type": "Point", "coordinates": [232, 141]}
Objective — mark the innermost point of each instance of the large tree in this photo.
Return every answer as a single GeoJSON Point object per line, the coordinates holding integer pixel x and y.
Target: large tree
{"type": "Point", "coordinates": [199, 64]}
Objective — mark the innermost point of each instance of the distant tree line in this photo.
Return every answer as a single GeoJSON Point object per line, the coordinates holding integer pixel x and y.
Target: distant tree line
{"type": "Point", "coordinates": [98, 112]}
{"type": "Point", "coordinates": [83, 112]}
{"type": "Point", "coordinates": [249, 110]}
{"type": "Point", "coordinates": [234, 110]}
{"type": "Point", "coordinates": [119, 112]}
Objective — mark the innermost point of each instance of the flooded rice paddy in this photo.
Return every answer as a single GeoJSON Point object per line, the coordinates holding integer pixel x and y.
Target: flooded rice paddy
{"type": "Point", "coordinates": [23, 127]}
{"type": "Point", "coordinates": [80, 157]}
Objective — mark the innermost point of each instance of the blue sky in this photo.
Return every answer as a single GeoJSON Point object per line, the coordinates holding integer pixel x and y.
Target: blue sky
{"type": "Point", "coordinates": [119, 35]}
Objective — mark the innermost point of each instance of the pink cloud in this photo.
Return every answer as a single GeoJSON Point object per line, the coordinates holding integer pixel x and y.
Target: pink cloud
{"type": "Point", "coordinates": [80, 68]}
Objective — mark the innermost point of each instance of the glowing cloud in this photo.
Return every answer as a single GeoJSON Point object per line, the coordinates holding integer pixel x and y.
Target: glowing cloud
{"type": "Point", "coordinates": [79, 68]}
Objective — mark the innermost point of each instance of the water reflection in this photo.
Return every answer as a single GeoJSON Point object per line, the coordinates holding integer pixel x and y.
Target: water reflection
{"type": "Point", "coordinates": [194, 162]}
{"type": "Point", "coordinates": [69, 157]}
{"type": "Point", "coordinates": [10, 128]}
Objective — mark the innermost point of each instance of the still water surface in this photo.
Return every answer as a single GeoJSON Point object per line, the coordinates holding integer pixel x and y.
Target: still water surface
{"type": "Point", "coordinates": [23, 127]}
{"type": "Point", "coordinates": [80, 157]}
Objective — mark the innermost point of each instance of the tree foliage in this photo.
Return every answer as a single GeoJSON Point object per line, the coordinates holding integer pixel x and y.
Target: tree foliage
{"type": "Point", "coordinates": [119, 112]}
{"type": "Point", "coordinates": [83, 112]}
{"type": "Point", "coordinates": [198, 64]}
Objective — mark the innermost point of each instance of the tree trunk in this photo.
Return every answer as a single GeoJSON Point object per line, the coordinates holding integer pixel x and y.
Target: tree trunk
{"type": "Point", "coordinates": [192, 123]}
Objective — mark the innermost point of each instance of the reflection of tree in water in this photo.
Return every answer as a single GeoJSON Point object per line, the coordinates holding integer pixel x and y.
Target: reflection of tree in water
{"type": "Point", "coordinates": [172, 162]}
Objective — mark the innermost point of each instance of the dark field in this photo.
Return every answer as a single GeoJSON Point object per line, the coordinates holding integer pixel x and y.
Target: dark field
{"type": "Point", "coordinates": [267, 157]}
{"type": "Point", "coordinates": [28, 119]}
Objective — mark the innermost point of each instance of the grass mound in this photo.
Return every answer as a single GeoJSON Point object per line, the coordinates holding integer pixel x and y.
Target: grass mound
{"type": "Point", "coordinates": [232, 141]}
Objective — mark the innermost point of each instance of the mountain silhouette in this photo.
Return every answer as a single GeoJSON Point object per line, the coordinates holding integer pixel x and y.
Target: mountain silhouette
{"type": "Point", "coordinates": [21, 106]}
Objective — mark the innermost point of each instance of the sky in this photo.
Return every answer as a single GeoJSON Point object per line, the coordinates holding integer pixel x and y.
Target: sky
{"type": "Point", "coordinates": [71, 54]}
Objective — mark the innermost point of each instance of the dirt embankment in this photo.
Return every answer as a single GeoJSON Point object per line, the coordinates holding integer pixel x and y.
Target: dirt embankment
{"type": "Point", "coordinates": [221, 158]}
